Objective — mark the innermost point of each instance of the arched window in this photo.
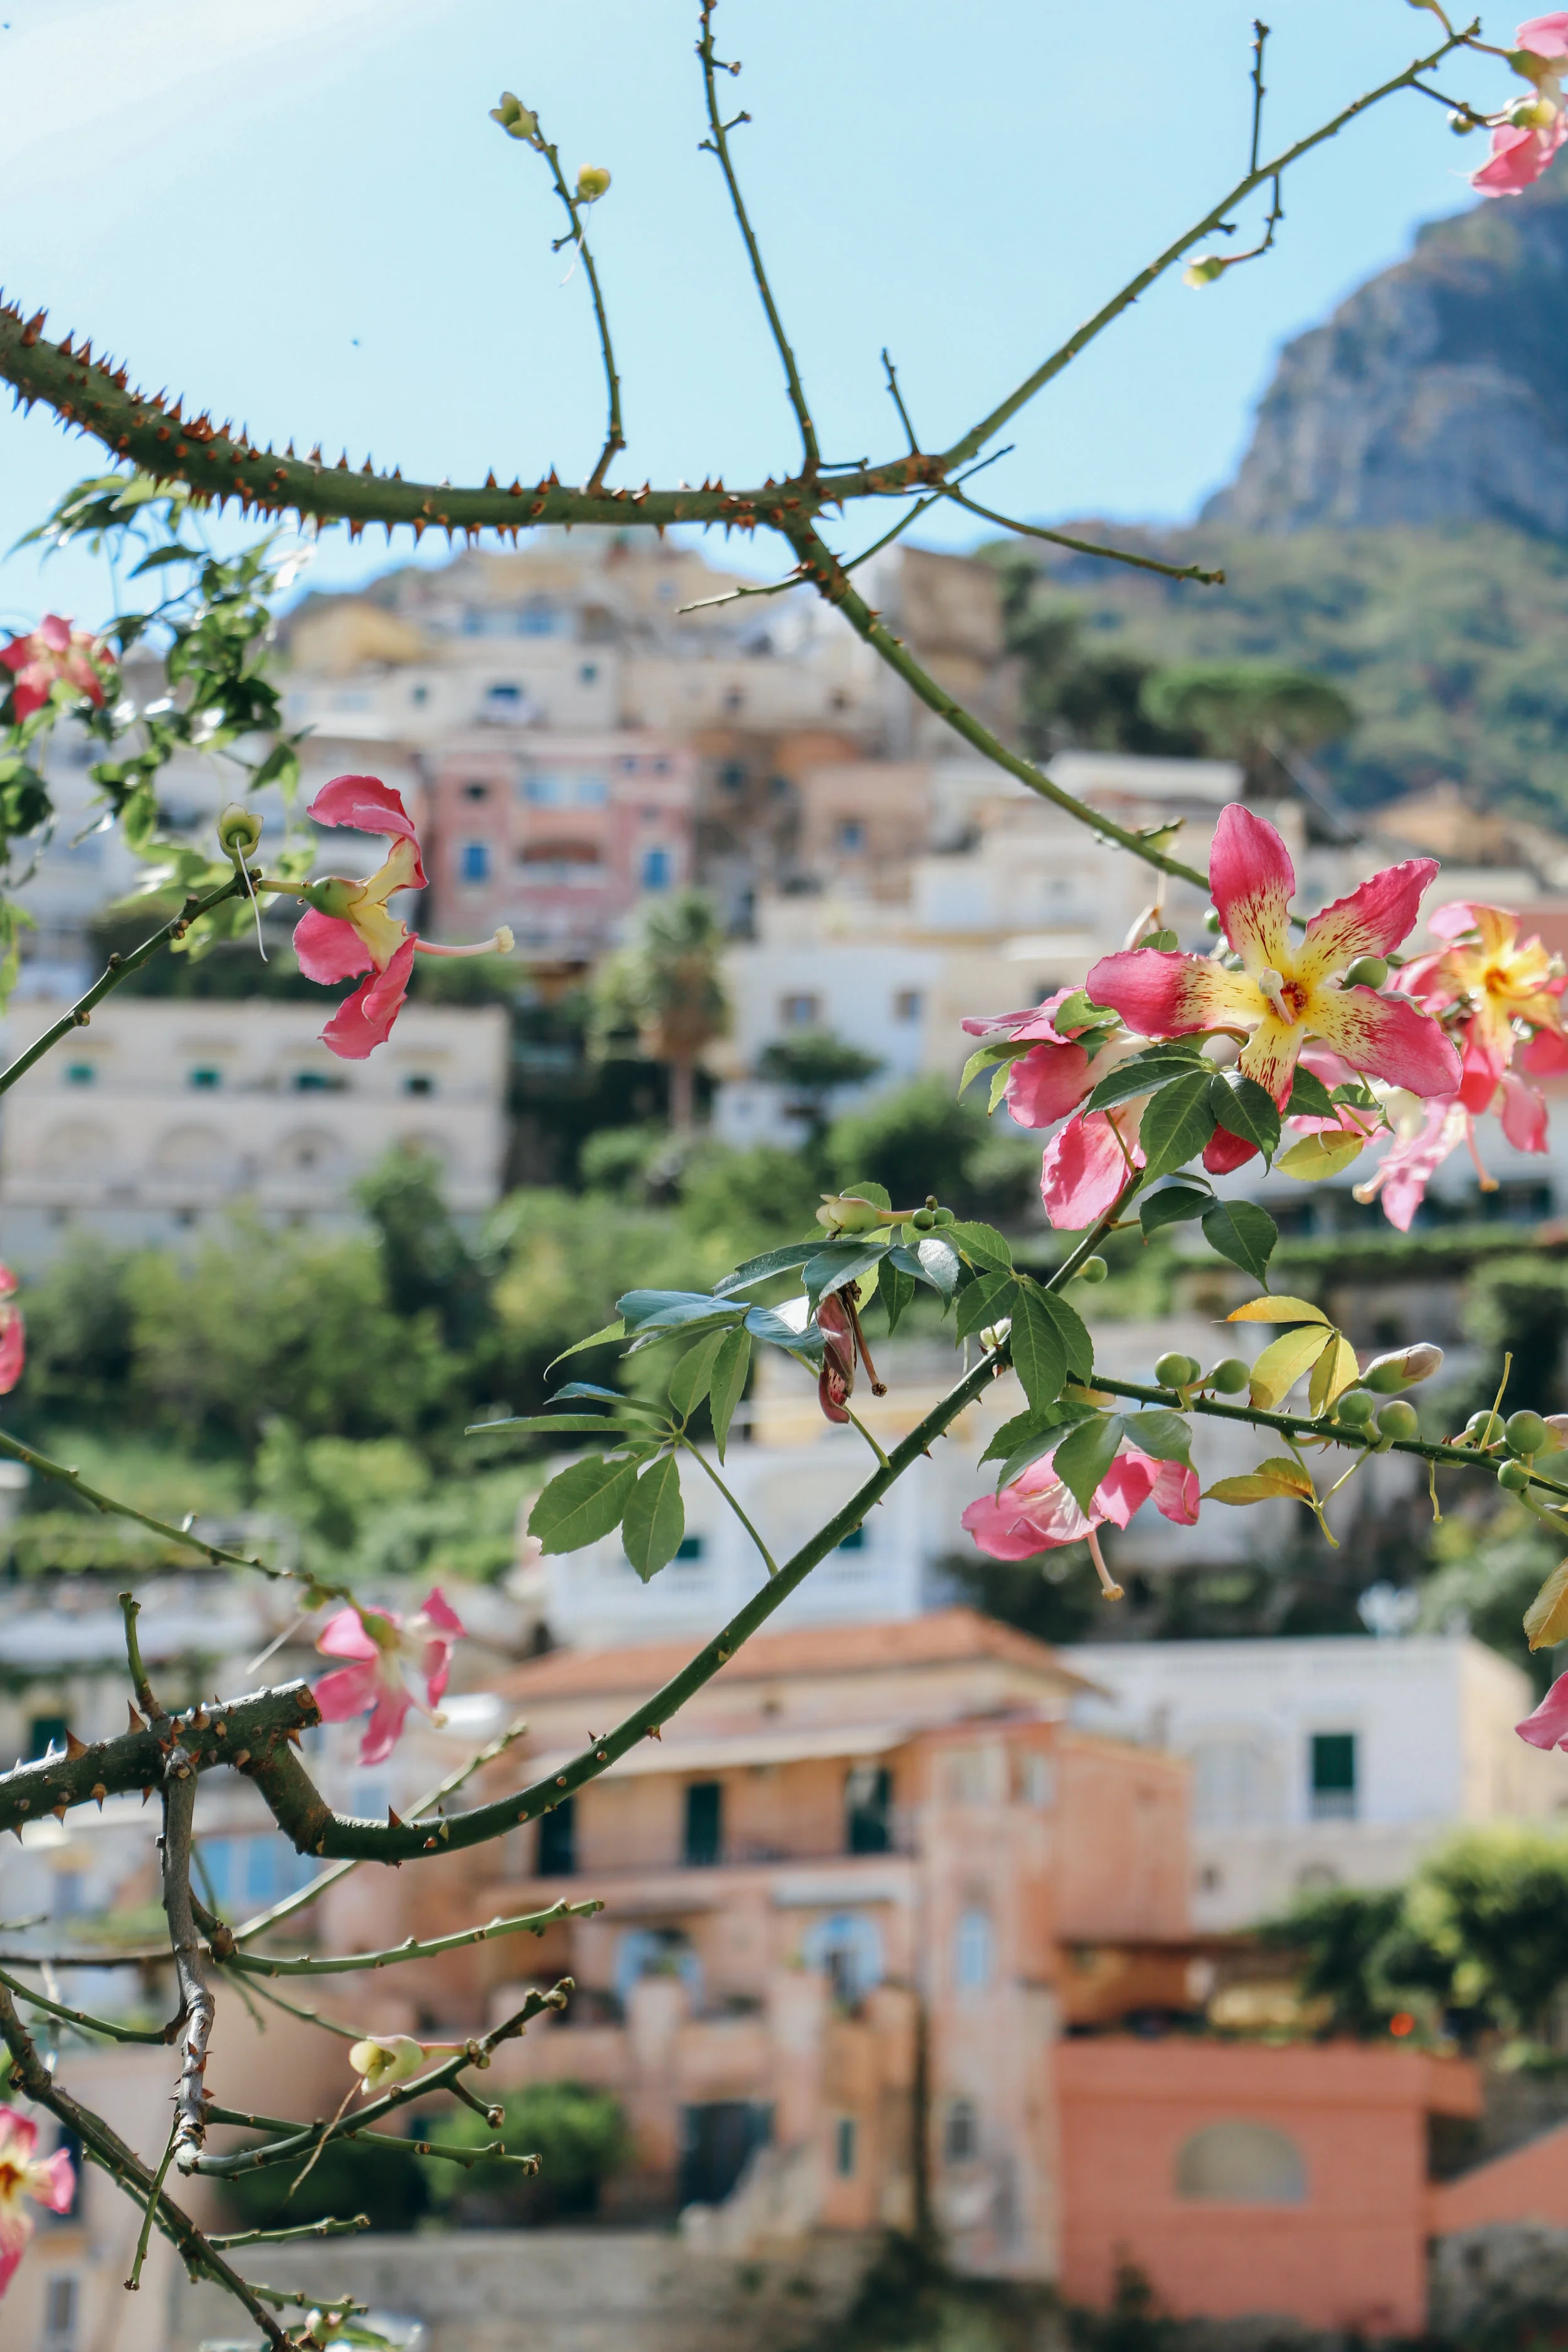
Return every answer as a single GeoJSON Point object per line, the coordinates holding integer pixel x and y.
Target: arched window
{"type": "Point", "coordinates": [847, 1947]}
{"type": "Point", "coordinates": [973, 1951]}
{"type": "Point", "coordinates": [1241, 2164]}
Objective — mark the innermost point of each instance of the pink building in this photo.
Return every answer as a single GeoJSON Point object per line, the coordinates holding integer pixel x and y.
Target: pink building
{"type": "Point", "coordinates": [557, 835]}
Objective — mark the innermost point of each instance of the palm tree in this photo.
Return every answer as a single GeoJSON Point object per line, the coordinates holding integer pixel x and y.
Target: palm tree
{"type": "Point", "coordinates": [665, 985]}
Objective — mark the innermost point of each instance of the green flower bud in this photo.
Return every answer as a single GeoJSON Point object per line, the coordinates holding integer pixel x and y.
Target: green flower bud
{"type": "Point", "coordinates": [1356, 1407]}
{"type": "Point", "coordinates": [1556, 1432]}
{"type": "Point", "coordinates": [1513, 1475]}
{"type": "Point", "coordinates": [1367, 971]}
{"type": "Point", "coordinates": [1525, 1433]}
{"type": "Point", "coordinates": [923, 1220]}
{"type": "Point", "coordinates": [841, 1213]}
{"type": "Point", "coordinates": [1230, 1376]}
{"type": "Point", "coordinates": [333, 895]}
{"type": "Point", "coordinates": [945, 1217]}
{"type": "Point", "coordinates": [996, 1335]}
{"type": "Point", "coordinates": [592, 182]}
{"type": "Point", "coordinates": [1093, 1270]}
{"type": "Point", "coordinates": [239, 830]}
{"type": "Point", "coordinates": [1459, 122]}
{"type": "Point", "coordinates": [1205, 269]}
{"type": "Point", "coordinates": [1484, 1429]}
{"type": "Point", "coordinates": [1211, 921]}
{"type": "Point", "coordinates": [519, 121]}
{"type": "Point", "coordinates": [1175, 1371]}
{"type": "Point", "coordinates": [1399, 1420]}
{"type": "Point", "coordinates": [1402, 1368]}
{"type": "Point", "coordinates": [1532, 114]}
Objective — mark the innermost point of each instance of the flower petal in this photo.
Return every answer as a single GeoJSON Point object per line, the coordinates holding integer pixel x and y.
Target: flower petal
{"type": "Point", "coordinates": [1253, 882]}
{"type": "Point", "coordinates": [1126, 1485]}
{"type": "Point", "coordinates": [1177, 1493]}
{"type": "Point", "coordinates": [1546, 1055]}
{"type": "Point", "coordinates": [1517, 158]}
{"type": "Point", "coordinates": [1083, 1170]}
{"type": "Point", "coordinates": [15, 2231]}
{"type": "Point", "coordinates": [1522, 1110]}
{"type": "Point", "coordinates": [1547, 1726]}
{"type": "Point", "coordinates": [53, 2182]}
{"type": "Point", "coordinates": [1404, 1173]}
{"type": "Point", "coordinates": [329, 948]}
{"type": "Point", "coordinates": [13, 1347]}
{"type": "Point", "coordinates": [344, 1636]}
{"type": "Point", "coordinates": [1386, 1037]}
{"type": "Point", "coordinates": [438, 1610]}
{"type": "Point", "coordinates": [1268, 1056]}
{"type": "Point", "coordinates": [18, 2136]}
{"type": "Point", "coordinates": [1049, 1082]}
{"type": "Point", "coordinates": [1163, 995]}
{"type": "Point", "coordinates": [1225, 1152]}
{"type": "Point", "coordinates": [371, 806]}
{"type": "Point", "coordinates": [363, 1021]}
{"type": "Point", "coordinates": [1373, 919]}
{"type": "Point", "coordinates": [349, 1692]}
{"type": "Point", "coordinates": [381, 1733]}
{"type": "Point", "coordinates": [1544, 37]}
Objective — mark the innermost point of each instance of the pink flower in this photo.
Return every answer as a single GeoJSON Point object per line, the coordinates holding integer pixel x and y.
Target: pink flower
{"type": "Point", "coordinates": [54, 651]}
{"type": "Point", "coordinates": [1054, 1076]}
{"type": "Point", "coordinates": [13, 1333]}
{"type": "Point", "coordinates": [387, 1650]}
{"type": "Point", "coordinates": [1526, 134]}
{"type": "Point", "coordinates": [50, 2182]}
{"type": "Point", "coordinates": [1036, 1513]}
{"type": "Point", "coordinates": [1285, 992]}
{"type": "Point", "coordinates": [348, 929]}
{"type": "Point", "coordinates": [1086, 1164]}
{"type": "Point", "coordinates": [1548, 1726]}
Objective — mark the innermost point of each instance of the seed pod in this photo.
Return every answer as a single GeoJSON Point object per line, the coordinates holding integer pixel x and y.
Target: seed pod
{"type": "Point", "coordinates": [1398, 1420]}
{"type": "Point", "coordinates": [1356, 1408]}
{"type": "Point", "coordinates": [592, 182]}
{"type": "Point", "coordinates": [1230, 1376]}
{"type": "Point", "coordinates": [1402, 1368]}
{"type": "Point", "coordinates": [1175, 1371]}
{"type": "Point", "coordinates": [1093, 1270]}
{"type": "Point", "coordinates": [1367, 971]}
{"type": "Point", "coordinates": [1513, 1475]}
{"type": "Point", "coordinates": [1525, 1433]}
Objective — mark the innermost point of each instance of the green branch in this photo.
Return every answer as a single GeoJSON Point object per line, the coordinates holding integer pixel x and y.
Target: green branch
{"type": "Point", "coordinates": [306, 1964]}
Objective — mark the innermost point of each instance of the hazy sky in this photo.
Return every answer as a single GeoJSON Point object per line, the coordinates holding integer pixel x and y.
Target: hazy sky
{"type": "Point", "coordinates": [298, 213]}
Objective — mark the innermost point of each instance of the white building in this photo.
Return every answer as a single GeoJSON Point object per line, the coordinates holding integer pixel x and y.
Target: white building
{"type": "Point", "coordinates": [164, 1112]}
{"type": "Point", "coordinates": [1328, 1761]}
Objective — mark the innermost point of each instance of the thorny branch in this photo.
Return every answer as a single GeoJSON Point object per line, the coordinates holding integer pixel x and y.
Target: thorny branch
{"type": "Point", "coordinates": [196, 2002]}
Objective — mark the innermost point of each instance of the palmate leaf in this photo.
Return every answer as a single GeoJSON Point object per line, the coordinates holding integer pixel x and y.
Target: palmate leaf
{"type": "Point", "coordinates": [982, 1245]}
{"type": "Point", "coordinates": [1072, 1331]}
{"type": "Point", "coordinates": [606, 1332]}
{"type": "Point", "coordinates": [1283, 1309]}
{"type": "Point", "coordinates": [1335, 1370]}
{"type": "Point", "coordinates": [1161, 1434]}
{"type": "Point", "coordinates": [1546, 1618]}
{"type": "Point", "coordinates": [940, 1262]}
{"type": "Point", "coordinates": [582, 1505]}
{"type": "Point", "coordinates": [571, 1421]}
{"type": "Point", "coordinates": [999, 1056]}
{"type": "Point", "coordinates": [772, 1262]}
{"type": "Point", "coordinates": [1245, 1109]}
{"type": "Point", "coordinates": [1284, 1360]}
{"type": "Point", "coordinates": [1317, 1157]}
{"type": "Point", "coordinates": [836, 1267]}
{"type": "Point", "coordinates": [985, 1302]}
{"type": "Point", "coordinates": [1038, 1352]}
{"type": "Point", "coordinates": [1173, 1206]}
{"type": "Point", "coordinates": [895, 1287]}
{"type": "Point", "coordinates": [1142, 1074]}
{"type": "Point", "coordinates": [1309, 1098]}
{"type": "Point", "coordinates": [689, 1381]}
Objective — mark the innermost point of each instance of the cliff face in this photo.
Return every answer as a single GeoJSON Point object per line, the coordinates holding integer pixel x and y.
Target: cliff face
{"type": "Point", "coordinates": [1439, 392]}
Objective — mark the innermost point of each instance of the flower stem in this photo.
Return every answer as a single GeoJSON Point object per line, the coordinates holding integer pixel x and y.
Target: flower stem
{"type": "Point", "coordinates": [697, 1456]}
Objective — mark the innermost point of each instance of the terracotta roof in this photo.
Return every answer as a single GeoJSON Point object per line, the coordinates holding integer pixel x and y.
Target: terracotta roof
{"type": "Point", "coordinates": [943, 1637]}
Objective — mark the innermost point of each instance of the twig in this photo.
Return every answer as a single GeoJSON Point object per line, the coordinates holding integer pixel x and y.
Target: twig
{"type": "Point", "coordinates": [697, 1456]}
{"type": "Point", "coordinates": [719, 145]}
{"type": "Point", "coordinates": [1085, 546]}
{"type": "Point", "coordinates": [195, 1994]}
{"type": "Point", "coordinates": [615, 438]}
{"type": "Point", "coordinates": [309, 1964]}
{"type": "Point", "coordinates": [1259, 35]}
{"type": "Point", "coordinates": [214, 1554]}
{"type": "Point", "coordinates": [324, 2228]}
{"type": "Point", "coordinates": [897, 398]}
{"type": "Point", "coordinates": [81, 2017]}
{"type": "Point", "coordinates": [134, 2284]}
{"type": "Point", "coordinates": [131, 1609]}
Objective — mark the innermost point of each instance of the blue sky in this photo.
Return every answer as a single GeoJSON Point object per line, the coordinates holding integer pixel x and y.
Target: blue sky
{"type": "Point", "coordinates": [298, 213]}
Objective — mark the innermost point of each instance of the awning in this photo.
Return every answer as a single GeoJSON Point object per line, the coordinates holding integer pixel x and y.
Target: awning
{"type": "Point", "coordinates": [721, 1751]}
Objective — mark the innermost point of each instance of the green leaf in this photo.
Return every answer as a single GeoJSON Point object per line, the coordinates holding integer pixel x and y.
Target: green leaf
{"type": "Point", "coordinates": [1086, 1454]}
{"type": "Point", "coordinates": [862, 1190]}
{"type": "Point", "coordinates": [689, 1381]}
{"type": "Point", "coordinates": [1000, 1056]}
{"type": "Point", "coordinates": [836, 1267]}
{"type": "Point", "coordinates": [1279, 1475]}
{"type": "Point", "coordinates": [1319, 1156]}
{"type": "Point", "coordinates": [1000, 1079]}
{"type": "Point", "coordinates": [801, 1339]}
{"type": "Point", "coordinates": [1171, 1207]}
{"type": "Point", "coordinates": [982, 1245]}
{"type": "Point", "coordinates": [1048, 1420]}
{"type": "Point", "coordinates": [667, 1311]}
{"type": "Point", "coordinates": [728, 1381]}
{"type": "Point", "coordinates": [654, 1521]}
{"type": "Point", "coordinates": [1038, 1352]}
{"type": "Point", "coordinates": [568, 1420]}
{"type": "Point", "coordinates": [904, 1260]}
{"type": "Point", "coordinates": [940, 1261]}
{"type": "Point", "coordinates": [1144, 1074]}
{"type": "Point", "coordinates": [772, 1262]}
{"type": "Point", "coordinates": [609, 1396]}
{"type": "Point", "coordinates": [1284, 1360]}
{"type": "Point", "coordinates": [582, 1505]}
{"type": "Point", "coordinates": [1161, 1434]}
{"type": "Point", "coordinates": [1242, 1232]}
{"type": "Point", "coordinates": [1245, 1109]}
{"type": "Point", "coordinates": [616, 1330]}
{"type": "Point", "coordinates": [163, 555]}
{"type": "Point", "coordinates": [1073, 1333]}
{"type": "Point", "coordinates": [1283, 1309]}
{"type": "Point", "coordinates": [896, 1289]}
{"type": "Point", "coordinates": [1309, 1098]}
{"type": "Point", "coordinates": [1177, 1124]}
{"type": "Point", "coordinates": [985, 1302]}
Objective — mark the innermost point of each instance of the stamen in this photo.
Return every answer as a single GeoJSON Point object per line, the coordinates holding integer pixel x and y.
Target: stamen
{"type": "Point", "coordinates": [1271, 984]}
{"type": "Point", "coordinates": [1109, 1589]}
{"type": "Point", "coordinates": [501, 942]}
{"type": "Point", "coordinates": [1487, 1184]}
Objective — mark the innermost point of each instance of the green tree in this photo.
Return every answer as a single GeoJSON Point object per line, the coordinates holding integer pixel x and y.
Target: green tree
{"type": "Point", "coordinates": [666, 987]}
{"type": "Point", "coordinates": [1357, 1955]}
{"type": "Point", "coordinates": [425, 1262]}
{"type": "Point", "coordinates": [1494, 1903]}
{"type": "Point", "coordinates": [810, 1064]}
{"type": "Point", "coordinates": [1253, 712]}
{"type": "Point", "coordinates": [578, 2134]}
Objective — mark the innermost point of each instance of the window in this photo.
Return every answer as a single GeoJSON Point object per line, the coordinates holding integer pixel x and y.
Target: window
{"type": "Point", "coordinates": [908, 1004]}
{"type": "Point", "coordinates": [538, 619]}
{"type": "Point", "coordinates": [656, 869]}
{"type": "Point", "coordinates": [245, 1872]}
{"type": "Point", "coordinates": [844, 2148]}
{"type": "Point", "coordinates": [61, 2304]}
{"type": "Point", "coordinates": [558, 1840]}
{"type": "Point", "coordinates": [1037, 1779]}
{"type": "Point", "coordinates": [868, 1809]}
{"type": "Point", "coordinates": [732, 776]}
{"type": "Point", "coordinates": [846, 1949]}
{"type": "Point", "coordinates": [588, 673]}
{"type": "Point", "coordinates": [419, 695]}
{"type": "Point", "coordinates": [503, 698]}
{"type": "Point", "coordinates": [799, 1012]}
{"type": "Point", "coordinates": [474, 861]}
{"type": "Point", "coordinates": [960, 2133]}
{"type": "Point", "coordinates": [690, 1547]}
{"type": "Point", "coordinates": [419, 1083]}
{"type": "Point", "coordinates": [973, 1951]}
{"type": "Point", "coordinates": [317, 1082]}
{"type": "Point", "coordinates": [476, 792]}
{"type": "Point", "coordinates": [544, 791]}
{"type": "Point", "coordinates": [1234, 1783]}
{"type": "Point", "coordinates": [1241, 2164]}
{"type": "Point", "coordinates": [854, 1541]}
{"type": "Point", "coordinates": [206, 1076]}
{"type": "Point", "coordinates": [1333, 1785]}
{"type": "Point", "coordinates": [704, 1823]}
{"type": "Point", "coordinates": [44, 1733]}
{"type": "Point", "coordinates": [851, 835]}
{"type": "Point", "coordinates": [593, 791]}
{"type": "Point", "coordinates": [80, 1074]}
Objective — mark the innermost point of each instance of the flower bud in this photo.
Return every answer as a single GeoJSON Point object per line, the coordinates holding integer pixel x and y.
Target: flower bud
{"type": "Point", "coordinates": [1535, 114]}
{"type": "Point", "coordinates": [239, 830]}
{"type": "Point", "coordinates": [1459, 122]}
{"type": "Point", "coordinates": [386, 2059]}
{"type": "Point", "coordinates": [1175, 1371]}
{"type": "Point", "coordinates": [334, 895]}
{"type": "Point", "coordinates": [1402, 1368]}
{"type": "Point", "coordinates": [1512, 1476]}
{"type": "Point", "coordinates": [1525, 1433]}
{"type": "Point", "coordinates": [996, 1335]}
{"type": "Point", "coordinates": [1367, 971]}
{"type": "Point", "coordinates": [1093, 1270]}
{"type": "Point", "coordinates": [1556, 1432]}
{"type": "Point", "coordinates": [1205, 269]}
{"type": "Point", "coordinates": [519, 121]}
{"type": "Point", "coordinates": [841, 1213]}
{"type": "Point", "coordinates": [592, 182]}
{"type": "Point", "coordinates": [1229, 1376]}
{"type": "Point", "coordinates": [1398, 1420]}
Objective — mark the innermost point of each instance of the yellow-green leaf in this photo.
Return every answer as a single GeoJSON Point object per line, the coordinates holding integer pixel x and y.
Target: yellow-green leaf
{"type": "Point", "coordinates": [1272, 1478]}
{"type": "Point", "coordinates": [1276, 1310]}
{"type": "Point", "coordinates": [1283, 1361]}
{"type": "Point", "coordinates": [1334, 1371]}
{"type": "Point", "coordinates": [1546, 1618]}
{"type": "Point", "coordinates": [1318, 1156]}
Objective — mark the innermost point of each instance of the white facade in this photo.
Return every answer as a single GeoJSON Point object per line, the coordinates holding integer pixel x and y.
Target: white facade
{"type": "Point", "coordinates": [164, 1112]}
{"type": "Point", "coordinates": [1325, 1761]}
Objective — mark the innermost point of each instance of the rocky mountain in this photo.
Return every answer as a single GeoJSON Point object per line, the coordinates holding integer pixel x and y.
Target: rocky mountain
{"type": "Point", "coordinates": [1437, 393]}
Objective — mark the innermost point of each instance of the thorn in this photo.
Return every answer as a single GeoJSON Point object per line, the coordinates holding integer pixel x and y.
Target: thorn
{"type": "Point", "coordinates": [136, 1722]}
{"type": "Point", "coordinates": [98, 1794]}
{"type": "Point", "coordinates": [145, 1794]}
{"type": "Point", "coordinates": [73, 1746]}
{"type": "Point", "coordinates": [395, 1821]}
